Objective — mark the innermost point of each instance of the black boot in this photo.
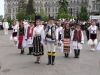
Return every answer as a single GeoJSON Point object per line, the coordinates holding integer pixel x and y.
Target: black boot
{"type": "Point", "coordinates": [22, 51]}
{"type": "Point", "coordinates": [53, 58]}
{"type": "Point", "coordinates": [49, 58]}
{"type": "Point", "coordinates": [76, 53]}
{"type": "Point", "coordinates": [30, 51]}
{"type": "Point", "coordinates": [66, 55]}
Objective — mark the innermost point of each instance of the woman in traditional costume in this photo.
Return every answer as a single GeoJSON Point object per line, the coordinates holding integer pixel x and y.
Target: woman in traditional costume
{"type": "Point", "coordinates": [21, 35]}
{"type": "Point", "coordinates": [93, 36]}
{"type": "Point", "coordinates": [15, 32]}
{"type": "Point", "coordinates": [29, 37]}
{"type": "Point", "coordinates": [38, 37]}
{"type": "Point", "coordinates": [66, 39]}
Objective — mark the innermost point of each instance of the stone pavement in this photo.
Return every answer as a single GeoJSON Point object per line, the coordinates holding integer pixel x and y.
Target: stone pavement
{"type": "Point", "coordinates": [12, 63]}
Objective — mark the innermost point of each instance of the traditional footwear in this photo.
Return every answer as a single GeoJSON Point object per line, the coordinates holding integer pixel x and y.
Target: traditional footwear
{"type": "Point", "coordinates": [92, 49]}
{"type": "Point", "coordinates": [37, 62]}
{"type": "Point", "coordinates": [29, 54]}
{"type": "Point", "coordinates": [22, 51]}
{"type": "Point", "coordinates": [30, 51]}
{"type": "Point", "coordinates": [66, 55]}
{"type": "Point", "coordinates": [76, 53]}
{"type": "Point", "coordinates": [49, 58]}
{"type": "Point", "coordinates": [53, 58]}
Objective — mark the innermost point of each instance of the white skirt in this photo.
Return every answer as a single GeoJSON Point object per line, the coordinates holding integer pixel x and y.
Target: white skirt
{"type": "Point", "coordinates": [91, 42]}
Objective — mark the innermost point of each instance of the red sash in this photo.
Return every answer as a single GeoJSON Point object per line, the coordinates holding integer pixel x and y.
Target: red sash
{"type": "Point", "coordinates": [29, 34]}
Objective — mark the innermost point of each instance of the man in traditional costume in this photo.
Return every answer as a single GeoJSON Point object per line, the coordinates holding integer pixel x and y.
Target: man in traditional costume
{"type": "Point", "coordinates": [29, 36]}
{"type": "Point", "coordinates": [77, 39]}
{"type": "Point", "coordinates": [50, 40]}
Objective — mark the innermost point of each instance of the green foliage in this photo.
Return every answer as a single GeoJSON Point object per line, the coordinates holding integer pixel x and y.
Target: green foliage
{"type": "Point", "coordinates": [43, 15]}
{"type": "Point", "coordinates": [10, 22]}
{"type": "Point", "coordinates": [22, 6]}
{"type": "Point", "coordinates": [62, 14]}
{"type": "Point", "coordinates": [30, 9]}
{"type": "Point", "coordinates": [21, 16]}
{"type": "Point", "coordinates": [83, 15]}
{"type": "Point", "coordinates": [63, 9]}
{"type": "Point", "coordinates": [63, 5]}
{"type": "Point", "coordinates": [30, 17]}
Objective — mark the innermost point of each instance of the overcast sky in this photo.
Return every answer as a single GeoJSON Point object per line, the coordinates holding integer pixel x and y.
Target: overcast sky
{"type": "Point", "coordinates": [1, 7]}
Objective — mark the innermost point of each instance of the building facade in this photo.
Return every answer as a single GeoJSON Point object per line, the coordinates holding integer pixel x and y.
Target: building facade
{"type": "Point", "coordinates": [50, 7]}
{"type": "Point", "coordinates": [75, 5]}
{"type": "Point", "coordinates": [11, 8]}
{"type": "Point", "coordinates": [94, 6]}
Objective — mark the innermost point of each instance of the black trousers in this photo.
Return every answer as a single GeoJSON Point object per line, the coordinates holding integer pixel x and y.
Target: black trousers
{"type": "Point", "coordinates": [87, 34]}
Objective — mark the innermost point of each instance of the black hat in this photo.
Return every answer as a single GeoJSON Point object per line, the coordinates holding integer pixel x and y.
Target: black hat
{"type": "Point", "coordinates": [51, 18]}
{"type": "Point", "coordinates": [37, 17]}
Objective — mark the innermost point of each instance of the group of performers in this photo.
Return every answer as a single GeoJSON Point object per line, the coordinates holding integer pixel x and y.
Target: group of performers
{"type": "Point", "coordinates": [35, 36]}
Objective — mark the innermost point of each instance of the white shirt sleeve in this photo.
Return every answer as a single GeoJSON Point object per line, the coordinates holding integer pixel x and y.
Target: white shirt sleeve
{"type": "Point", "coordinates": [82, 40]}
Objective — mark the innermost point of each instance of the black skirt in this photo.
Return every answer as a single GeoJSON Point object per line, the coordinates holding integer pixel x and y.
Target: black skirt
{"type": "Point", "coordinates": [93, 36]}
{"type": "Point", "coordinates": [37, 46]}
{"type": "Point", "coordinates": [14, 34]}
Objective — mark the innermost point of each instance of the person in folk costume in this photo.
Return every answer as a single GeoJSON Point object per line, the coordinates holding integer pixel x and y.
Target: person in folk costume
{"type": "Point", "coordinates": [59, 35]}
{"type": "Point", "coordinates": [67, 37]}
{"type": "Point", "coordinates": [86, 30]}
{"type": "Point", "coordinates": [38, 38]}
{"type": "Point", "coordinates": [29, 36]}
{"type": "Point", "coordinates": [5, 26]}
{"type": "Point", "coordinates": [77, 39]}
{"type": "Point", "coordinates": [93, 36]}
{"type": "Point", "coordinates": [26, 24]}
{"type": "Point", "coordinates": [50, 40]}
{"type": "Point", "coordinates": [15, 31]}
{"type": "Point", "coordinates": [21, 35]}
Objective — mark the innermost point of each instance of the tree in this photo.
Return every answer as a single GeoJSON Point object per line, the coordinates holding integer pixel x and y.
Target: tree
{"type": "Point", "coordinates": [21, 16]}
{"type": "Point", "coordinates": [83, 14]}
{"type": "Point", "coordinates": [22, 6]}
{"type": "Point", "coordinates": [43, 14]}
{"type": "Point", "coordinates": [30, 11]}
{"type": "Point", "coordinates": [63, 10]}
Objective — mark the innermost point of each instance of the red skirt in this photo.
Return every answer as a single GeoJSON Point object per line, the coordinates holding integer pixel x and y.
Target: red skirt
{"type": "Point", "coordinates": [20, 41]}
{"type": "Point", "coordinates": [66, 45]}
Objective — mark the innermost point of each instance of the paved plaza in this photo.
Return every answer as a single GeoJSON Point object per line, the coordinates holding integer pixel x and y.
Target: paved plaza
{"type": "Point", "coordinates": [12, 63]}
